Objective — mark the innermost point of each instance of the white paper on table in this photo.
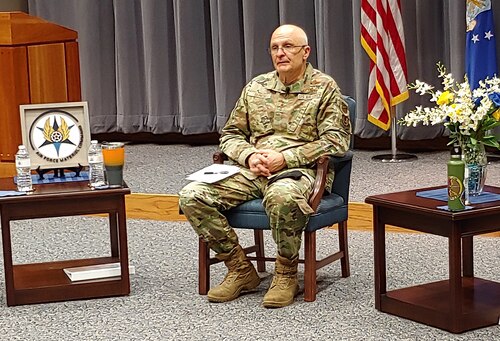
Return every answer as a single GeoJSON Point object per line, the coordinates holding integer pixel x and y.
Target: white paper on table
{"type": "Point", "coordinates": [214, 173]}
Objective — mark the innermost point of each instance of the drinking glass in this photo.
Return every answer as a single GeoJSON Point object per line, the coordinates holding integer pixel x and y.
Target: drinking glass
{"type": "Point", "coordinates": [113, 154]}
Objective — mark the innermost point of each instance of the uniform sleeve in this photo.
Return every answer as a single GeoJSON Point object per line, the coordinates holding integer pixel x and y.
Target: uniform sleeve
{"type": "Point", "coordinates": [334, 130]}
{"type": "Point", "coordinates": [235, 136]}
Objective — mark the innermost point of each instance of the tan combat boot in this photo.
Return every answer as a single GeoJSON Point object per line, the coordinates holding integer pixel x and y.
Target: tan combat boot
{"type": "Point", "coordinates": [284, 286]}
{"type": "Point", "coordinates": [241, 276]}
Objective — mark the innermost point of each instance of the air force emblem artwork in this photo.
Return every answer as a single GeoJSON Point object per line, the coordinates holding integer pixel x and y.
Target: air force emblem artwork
{"type": "Point", "coordinates": [56, 136]}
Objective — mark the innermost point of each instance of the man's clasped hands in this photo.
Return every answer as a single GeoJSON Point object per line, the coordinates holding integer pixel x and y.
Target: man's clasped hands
{"type": "Point", "coordinates": [266, 162]}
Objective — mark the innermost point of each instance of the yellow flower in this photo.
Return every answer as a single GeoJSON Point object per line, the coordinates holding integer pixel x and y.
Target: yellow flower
{"type": "Point", "coordinates": [496, 115]}
{"type": "Point", "coordinates": [445, 98]}
{"type": "Point", "coordinates": [457, 110]}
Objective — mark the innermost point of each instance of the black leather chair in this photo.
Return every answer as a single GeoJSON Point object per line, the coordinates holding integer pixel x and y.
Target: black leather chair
{"type": "Point", "coordinates": [330, 209]}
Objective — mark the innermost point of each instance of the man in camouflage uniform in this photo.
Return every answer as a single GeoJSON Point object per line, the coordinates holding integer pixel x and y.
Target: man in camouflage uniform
{"type": "Point", "coordinates": [282, 123]}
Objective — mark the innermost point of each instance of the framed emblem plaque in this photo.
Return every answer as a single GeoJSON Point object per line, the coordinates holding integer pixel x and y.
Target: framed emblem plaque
{"type": "Point", "coordinates": [56, 135]}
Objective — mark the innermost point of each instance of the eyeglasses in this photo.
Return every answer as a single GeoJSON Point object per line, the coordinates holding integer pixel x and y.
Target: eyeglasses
{"type": "Point", "coordinates": [288, 48]}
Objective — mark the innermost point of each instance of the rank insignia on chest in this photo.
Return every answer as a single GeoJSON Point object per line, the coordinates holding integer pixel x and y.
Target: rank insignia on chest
{"type": "Point", "coordinates": [306, 97]}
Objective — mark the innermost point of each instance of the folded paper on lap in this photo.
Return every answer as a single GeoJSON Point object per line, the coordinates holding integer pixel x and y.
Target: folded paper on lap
{"type": "Point", "coordinates": [213, 173]}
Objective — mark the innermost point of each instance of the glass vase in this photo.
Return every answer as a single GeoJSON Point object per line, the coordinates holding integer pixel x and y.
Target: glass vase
{"type": "Point", "coordinates": [475, 160]}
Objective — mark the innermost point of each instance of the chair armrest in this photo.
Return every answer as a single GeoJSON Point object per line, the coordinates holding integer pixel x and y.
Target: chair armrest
{"type": "Point", "coordinates": [219, 157]}
{"type": "Point", "coordinates": [322, 166]}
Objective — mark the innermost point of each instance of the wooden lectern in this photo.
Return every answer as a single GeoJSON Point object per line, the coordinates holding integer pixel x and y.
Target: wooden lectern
{"type": "Point", "coordinates": [38, 64]}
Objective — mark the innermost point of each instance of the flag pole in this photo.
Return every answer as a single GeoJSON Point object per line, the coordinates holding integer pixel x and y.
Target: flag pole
{"type": "Point", "coordinates": [394, 157]}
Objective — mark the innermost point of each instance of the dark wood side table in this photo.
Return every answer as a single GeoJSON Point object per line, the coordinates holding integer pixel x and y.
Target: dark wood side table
{"type": "Point", "coordinates": [47, 282]}
{"type": "Point", "coordinates": [460, 303]}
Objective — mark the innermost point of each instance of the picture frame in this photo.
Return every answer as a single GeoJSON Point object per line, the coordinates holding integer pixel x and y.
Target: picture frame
{"type": "Point", "coordinates": [56, 135]}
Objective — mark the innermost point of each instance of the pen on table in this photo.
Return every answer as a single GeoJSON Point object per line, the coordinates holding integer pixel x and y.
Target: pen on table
{"type": "Point", "coordinates": [221, 172]}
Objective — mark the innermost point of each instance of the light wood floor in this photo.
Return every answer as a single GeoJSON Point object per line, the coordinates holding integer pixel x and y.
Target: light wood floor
{"type": "Point", "coordinates": [165, 207]}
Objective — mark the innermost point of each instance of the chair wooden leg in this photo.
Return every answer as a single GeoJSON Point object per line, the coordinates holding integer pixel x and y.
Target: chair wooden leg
{"type": "Point", "coordinates": [259, 241]}
{"type": "Point", "coordinates": [203, 267]}
{"type": "Point", "coordinates": [344, 261]}
{"type": "Point", "coordinates": [310, 266]}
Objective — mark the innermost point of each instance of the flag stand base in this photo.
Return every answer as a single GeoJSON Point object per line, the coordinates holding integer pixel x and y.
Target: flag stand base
{"type": "Point", "coordinates": [394, 158]}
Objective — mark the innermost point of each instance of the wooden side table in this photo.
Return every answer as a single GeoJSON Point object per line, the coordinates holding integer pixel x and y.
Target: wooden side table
{"type": "Point", "coordinates": [47, 282]}
{"type": "Point", "coordinates": [460, 303]}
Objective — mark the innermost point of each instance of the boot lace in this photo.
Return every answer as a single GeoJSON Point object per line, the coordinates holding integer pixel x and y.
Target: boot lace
{"type": "Point", "coordinates": [230, 277]}
{"type": "Point", "coordinates": [282, 282]}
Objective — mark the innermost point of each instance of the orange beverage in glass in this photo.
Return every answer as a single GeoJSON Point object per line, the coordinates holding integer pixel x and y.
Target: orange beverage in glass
{"type": "Point", "coordinates": [113, 154]}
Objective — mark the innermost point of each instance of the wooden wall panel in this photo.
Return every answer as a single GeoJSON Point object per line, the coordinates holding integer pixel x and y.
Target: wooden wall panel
{"type": "Point", "coordinates": [7, 169]}
{"type": "Point", "coordinates": [18, 28]}
{"type": "Point", "coordinates": [73, 72]}
{"type": "Point", "coordinates": [47, 73]}
{"type": "Point", "coordinates": [13, 91]}
{"type": "Point", "coordinates": [38, 64]}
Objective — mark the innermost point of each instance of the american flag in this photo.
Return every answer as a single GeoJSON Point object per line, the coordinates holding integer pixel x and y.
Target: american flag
{"type": "Point", "coordinates": [382, 37]}
{"type": "Point", "coordinates": [480, 46]}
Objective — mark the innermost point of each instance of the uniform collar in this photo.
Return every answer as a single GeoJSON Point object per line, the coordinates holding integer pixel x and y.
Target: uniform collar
{"type": "Point", "coordinates": [300, 86]}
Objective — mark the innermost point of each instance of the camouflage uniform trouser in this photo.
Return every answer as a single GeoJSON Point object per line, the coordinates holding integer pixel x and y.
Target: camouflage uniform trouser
{"type": "Point", "coordinates": [285, 202]}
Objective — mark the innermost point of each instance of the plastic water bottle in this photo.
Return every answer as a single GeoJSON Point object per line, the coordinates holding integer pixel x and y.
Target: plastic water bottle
{"type": "Point", "coordinates": [23, 168]}
{"type": "Point", "coordinates": [96, 165]}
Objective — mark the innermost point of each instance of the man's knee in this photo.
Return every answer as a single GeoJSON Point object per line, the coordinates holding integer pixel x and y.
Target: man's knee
{"type": "Point", "coordinates": [190, 195]}
{"type": "Point", "coordinates": [277, 189]}
{"type": "Point", "coordinates": [283, 196]}
{"type": "Point", "coordinates": [288, 197]}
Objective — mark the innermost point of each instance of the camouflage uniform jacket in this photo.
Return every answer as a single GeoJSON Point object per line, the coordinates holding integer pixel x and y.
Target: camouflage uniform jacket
{"type": "Point", "coordinates": [302, 121]}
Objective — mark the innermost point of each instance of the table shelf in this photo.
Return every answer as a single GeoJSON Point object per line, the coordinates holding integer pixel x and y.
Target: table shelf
{"type": "Point", "coordinates": [41, 275]}
{"type": "Point", "coordinates": [430, 303]}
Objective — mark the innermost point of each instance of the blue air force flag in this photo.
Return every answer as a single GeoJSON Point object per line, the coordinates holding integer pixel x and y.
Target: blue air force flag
{"type": "Point", "coordinates": [480, 47]}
